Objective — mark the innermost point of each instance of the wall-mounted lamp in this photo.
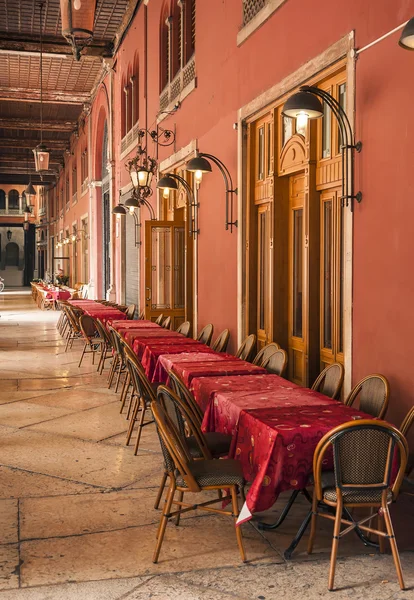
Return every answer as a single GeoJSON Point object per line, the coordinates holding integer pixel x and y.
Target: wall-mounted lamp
{"type": "Point", "coordinates": [9, 235]}
{"type": "Point", "coordinates": [121, 210]}
{"type": "Point", "coordinates": [200, 164]}
{"type": "Point", "coordinates": [74, 237]}
{"type": "Point", "coordinates": [170, 182]}
{"type": "Point", "coordinates": [406, 40]}
{"type": "Point", "coordinates": [306, 104]}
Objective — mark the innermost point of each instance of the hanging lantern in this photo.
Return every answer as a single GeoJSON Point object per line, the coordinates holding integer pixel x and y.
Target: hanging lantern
{"type": "Point", "coordinates": [41, 156]}
{"type": "Point", "coordinates": [78, 18]}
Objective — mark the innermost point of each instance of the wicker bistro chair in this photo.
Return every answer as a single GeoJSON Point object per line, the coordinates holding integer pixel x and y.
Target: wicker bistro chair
{"type": "Point", "coordinates": [184, 393]}
{"type": "Point", "coordinates": [130, 311]}
{"type": "Point", "coordinates": [106, 348]}
{"type": "Point", "coordinates": [118, 363]}
{"type": "Point", "coordinates": [206, 334]}
{"type": "Point", "coordinates": [373, 392]}
{"type": "Point", "coordinates": [141, 315]}
{"type": "Point", "coordinates": [90, 332]}
{"type": "Point", "coordinates": [188, 475]}
{"type": "Point", "coordinates": [184, 328]}
{"type": "Point", "coordinates": [221, 342]}
{"type": "Point", "coordinates": [407, 422]}
{"type": "Point", "coordinates": [166, 322]}
{"type": "Point", "coordinates": [364, 452]}
{"type": "Point", "coordinates": [277, 362]}
{"type": "Point", "coordinates": [74, 331]}
{"type": "Point", "coordinates": [329, 381]}
{"type": "Point", "coordinates": [265, 353]}
{"type": "Point", "coordinates": [142, 396]}
{"type": "Point", "coordinates": [200, 445]}
{"type": "Point", "coordinates": [159, 319]}
{"type": "Point", "coordinates": [247, 348]}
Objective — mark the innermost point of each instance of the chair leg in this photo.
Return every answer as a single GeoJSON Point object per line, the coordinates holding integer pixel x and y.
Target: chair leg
{"type": "Point", "coordinates": [160, 490]}
{"type": "Point", "coordinates": [83, 354]}
{"type": "Point", "coordinates": [113, 370]}
{"type": "Point", "coordinates": [313, 523]}
{"type": "Point", "coordinates": [119, 375]}
{"type": "Point", "coordinates": [132, 421]}
{"type": "Point", "coordinates": [180, 499]}
{"type": "Point", "coordinates": [335, 543]}
{"type": "Point", "coordinates": [239, 536]}
{"type": "Point", "coordinates": [393, 544]}
{"type": "Point", "coordinates": [380, 526]}
{"type": "Point", "coordinates": [124, 391]}
{"type": "Point", "coordinates": [140, 424]}
{"type": "Point", "coordinates": [163, 521]}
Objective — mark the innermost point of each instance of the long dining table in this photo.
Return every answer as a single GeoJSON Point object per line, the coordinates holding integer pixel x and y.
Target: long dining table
{"type": "Point", "coordinates": [98, 311]}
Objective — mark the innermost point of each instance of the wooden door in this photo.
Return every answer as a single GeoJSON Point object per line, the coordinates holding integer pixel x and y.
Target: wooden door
{"type": "Point", "coordinates": [331, 278]}
{"type": "Point", "coordinates": [165, 268]}
{"type": "Point", "coordinates": [264, 292]}
{"type": "Point", "coordinates": [297, 321]}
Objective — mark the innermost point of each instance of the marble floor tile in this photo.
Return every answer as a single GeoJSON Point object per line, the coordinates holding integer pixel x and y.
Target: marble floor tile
{"type": "Point", "coordinates": [9, 566]}
{"type": "Point", "coordinates": [92, 424]}
{"type": "Point", "coordinates": [9, 518]}
{"type": "Point", "coordinates": [21, 414]}
{"type": "Point", "coordinates": [16, 483]}
{"type": "Point", "coordinates": [73, 398]}
{"type": "Point", "coordinates": [197, 543]}
{"type": "Point", "coordinates": [5, 398]}
{"type": "Point", "coordinates": [7, 385]}
{"type": "Point", "coordinates": [75, 460]}
{"type": "Point", "coordinates": [63, 516]}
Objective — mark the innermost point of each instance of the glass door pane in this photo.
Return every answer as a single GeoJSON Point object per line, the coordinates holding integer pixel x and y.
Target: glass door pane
{"type": "Point", "coordinates": [179, 267]}
{"type": "Point", "coordinates": [327, 274]}
{"type": "Point", "coordinates": [297, 273]}
{"type": "Point", "coordinates": [161, 267]}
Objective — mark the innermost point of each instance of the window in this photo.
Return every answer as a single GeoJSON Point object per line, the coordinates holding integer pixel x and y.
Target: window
{"type": "Point", "coordinates": [67, 193]}
{"type": "Point", "coordinates": [130, 108]}
{"type": "Point", "coordinates": [177, 46]}
{"type": "Point", "coordinates": [13, 200]}
{"type": "Point", "coordinates": [84, 166]}
{"type": "Point", "coordinates": [2, 200]}
{"type": "Point", "coordinates": [74, 184]}
{"type": "Point", "coordinates": [12, 255]}
{"type": "Point", "coordinates": [251, 8]}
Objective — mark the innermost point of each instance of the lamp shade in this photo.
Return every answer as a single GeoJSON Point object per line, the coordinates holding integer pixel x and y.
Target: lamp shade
{"type": "Point", "coordinates": [198, 163]}
{"type": "Point", "coordinates": [131, 203]}
{"type": "Point", "coordinates": [78, 18]}
{"type": "Point", "coordinates": [167, 182]}
{"type": "Point", "coordinates": [119, 210]}
{"type": "Point", "coordinates": [407, 36]}
{"type": "Point", "coordinates": [303, 103]}
{"type": "Point", "coordinates": [41, 156]}
{"type": "Point", "coordinates": [30, 193]}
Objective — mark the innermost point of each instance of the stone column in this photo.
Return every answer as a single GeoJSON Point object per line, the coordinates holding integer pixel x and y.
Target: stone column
{"type": "Point", "coordinates": [7, 203]}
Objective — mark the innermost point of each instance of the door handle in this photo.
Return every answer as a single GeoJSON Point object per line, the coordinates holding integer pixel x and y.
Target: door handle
{"type": "Point", "coordinates": [148, 298]}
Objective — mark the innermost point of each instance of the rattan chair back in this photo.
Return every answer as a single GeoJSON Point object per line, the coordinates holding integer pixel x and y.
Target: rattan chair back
{"type": "Point", "coordinates": [407, 422]}
{"type": "Point", "coordinates": [140, 382]}
{"type": "Point", "coordinates": [103, 333]}
{"type": "Point", "coordinates": [166, 322]}
{"type": "Point", "coordinates": [116, 341]}
{"type": "Point", "coordinates": [88, 327]}
{"type": "Point", "coordinates": [373, 393]}
{"type": "Point", "coordinates": [159, 319]}
{"type": "Point", "coordinates": [130, 311]}
{"type": "Point", "coordinates": [329, 381]}
{"type": "Point", "coordinates": [184, 328]}
{"type": "Point", "coordinates": [220, 344]}
{"type": "Point", "coordinates": [363, 456]}
{"type": "Point", "coordinates": [141, 315]}
{"type": "Point", "coordinates": [248, 348]}
{"type": "Point", "coordinates": [277, 362]}
{"type": "Point", "coordinates": [186, 396]}
{"type": "Point", "coordinates": [206, 334]}
{"type": "Point", "coordinates": [265, 353]}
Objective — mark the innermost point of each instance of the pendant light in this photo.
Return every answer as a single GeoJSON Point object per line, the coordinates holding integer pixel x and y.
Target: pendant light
{"type": "Point", "coordinates": [78, 18]}
{"type": "Point", "coordinates": [41, 155]}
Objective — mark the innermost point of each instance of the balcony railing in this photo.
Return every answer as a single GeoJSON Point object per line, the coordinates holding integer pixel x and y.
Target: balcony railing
{"type": "Point", "coordinates": [74, 198]}
{"type": "Point", "coordinates": [130, 139]}
{"type": "Point", "coordinates": [15, 212]}
{"type": "Point", "coordinates": [41, 211]}
{"type": "Point", "coordinates": [84, 186]}
{"type": "Point", "coordinates": [172, 92]}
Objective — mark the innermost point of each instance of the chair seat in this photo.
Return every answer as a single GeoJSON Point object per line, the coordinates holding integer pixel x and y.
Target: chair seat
{"type": "Point", "coordinates": [218, 444]}
{"type": "Point", "coordinates": [359, 496]}
{"type": "Point", "coordinates": [327, 479]}
{"type": "Point", "coordinates": [220, 473]}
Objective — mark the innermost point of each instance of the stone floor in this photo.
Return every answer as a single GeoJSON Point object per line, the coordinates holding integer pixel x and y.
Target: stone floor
{"type": "Point", "coordinates": [76, 507]}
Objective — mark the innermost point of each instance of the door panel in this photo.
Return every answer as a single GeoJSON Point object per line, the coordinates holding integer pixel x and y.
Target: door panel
{"type": "Point", "coordinates": [263, 275]}
{"type": "Point", "coordinates": [297, 340]}
{"type": "Point", "coordinates": [165, 270]}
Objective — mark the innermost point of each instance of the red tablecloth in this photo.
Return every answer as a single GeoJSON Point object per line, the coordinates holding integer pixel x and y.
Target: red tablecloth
{"type": "Point", "coordinates": [166, 362]}
{"type": "Point", "coordinates": [103, 312]}
{"type": "Point", "coordinates": [139, 339]}
{"type": "Point", "coordinates": [156, 348]}
{"type": "Point", "coordinates": [132, 324]}
{"type": "Point", "coordinates": [276, 446]}
{"type": "Point", "coordinates": [233, 366]}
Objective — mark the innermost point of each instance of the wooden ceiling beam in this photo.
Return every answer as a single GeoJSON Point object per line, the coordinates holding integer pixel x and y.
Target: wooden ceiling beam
{"type": "Point", "coordinates": [13, 43]}
{"type": "Point", "coordinates": [31, 143]}
{"type": "Point", "coordinates": [22, 179]}
{"type": "Point", "coordinates": [54, 97]}
{"type": "Point", "coordinates": [20, 161]}
{"type": "Point", "coordinates": [32, 125]}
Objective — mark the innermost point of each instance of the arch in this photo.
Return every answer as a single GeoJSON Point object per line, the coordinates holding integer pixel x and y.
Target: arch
{"type": "Point", "coordinates": [2, 200]}
{"type": "Point", "coordinates": [14, 199]}
{"type": "Point", "coordinates": [176, 40]}
{"type": "Point", "coordinates": [12, 254]}
{"type": "Point", "coordinates": [135, 90]}
{"type": "Point", "coordinates": [294, 155]}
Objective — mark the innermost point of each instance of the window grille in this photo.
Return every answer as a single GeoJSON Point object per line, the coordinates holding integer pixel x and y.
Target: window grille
{"type": "Point", "coordinates": [251, 8]}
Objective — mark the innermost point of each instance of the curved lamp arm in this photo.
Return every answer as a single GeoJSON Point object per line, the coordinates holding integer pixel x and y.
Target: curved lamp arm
{"type": "Point", "coordinates": [191, 203]}
{"type": "Point", "coordinates": [230, 190]}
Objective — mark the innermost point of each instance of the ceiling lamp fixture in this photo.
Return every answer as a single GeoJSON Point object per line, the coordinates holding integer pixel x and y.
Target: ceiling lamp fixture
{"type": "Point", "coordinates": [201, 164]}
{"type": "Point", "coordinates": [78, 17]}
{"type": "Point", "coordinates": [41, 154]}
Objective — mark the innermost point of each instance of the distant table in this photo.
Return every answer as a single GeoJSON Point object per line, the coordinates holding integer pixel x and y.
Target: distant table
{"type": "Point", "coordinates": [230, 366]}
{"type": "Point", "coordinates": [166, 362]}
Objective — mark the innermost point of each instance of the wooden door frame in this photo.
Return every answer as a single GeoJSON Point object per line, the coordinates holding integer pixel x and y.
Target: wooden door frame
{"type": "Point", "coordinates": [342, 50]}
